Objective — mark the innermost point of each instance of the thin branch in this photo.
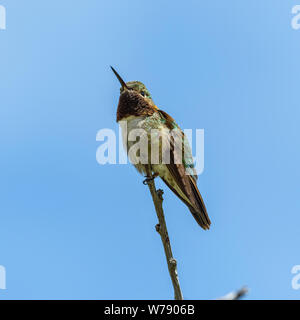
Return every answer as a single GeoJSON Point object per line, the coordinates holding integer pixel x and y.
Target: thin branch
{"type": "Point", "coordinates": [235, 295]}
{"type": "Point", "coordinates": [161, 228]}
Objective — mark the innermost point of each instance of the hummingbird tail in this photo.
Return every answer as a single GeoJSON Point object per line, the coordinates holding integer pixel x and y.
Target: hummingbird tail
{"type": "Point", "coordinates": [200, 215]}
{"type": "Point", "coordinates": [195, 204]}
{"type": "Point", "coordinates": [199, 210]}
{"type": "Point", "coordinates": [201, 218]}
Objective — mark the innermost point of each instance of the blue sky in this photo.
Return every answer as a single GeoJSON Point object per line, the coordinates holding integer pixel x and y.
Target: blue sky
{"type": "Point", "coordinates": [72, 229]}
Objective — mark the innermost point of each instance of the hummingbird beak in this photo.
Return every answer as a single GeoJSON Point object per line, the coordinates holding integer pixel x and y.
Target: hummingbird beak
{"type": "Point", "coordinates": [123, 84]}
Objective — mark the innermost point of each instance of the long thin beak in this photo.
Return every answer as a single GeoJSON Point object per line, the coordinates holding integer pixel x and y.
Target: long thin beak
{"type": "Point", "coordinates": [123, 84]}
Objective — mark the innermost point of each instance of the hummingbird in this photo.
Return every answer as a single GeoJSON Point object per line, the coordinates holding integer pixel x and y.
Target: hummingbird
{"type": "Point", "coordinates": [137, 108]}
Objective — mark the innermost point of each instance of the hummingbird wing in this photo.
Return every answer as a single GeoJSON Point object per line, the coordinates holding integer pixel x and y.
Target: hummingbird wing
{"type": "Point", "coordinates": [183, 175]}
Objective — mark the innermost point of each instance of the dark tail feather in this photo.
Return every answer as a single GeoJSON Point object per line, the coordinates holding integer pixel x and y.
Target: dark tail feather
{"type": "Point", "coordinates": [199, 210]}
{"type": "Point", "coordinates": [201, 218]}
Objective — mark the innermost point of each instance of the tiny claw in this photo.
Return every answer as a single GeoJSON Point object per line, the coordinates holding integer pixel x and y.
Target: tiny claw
{"type": "Point", "coordinates": [147, 180]}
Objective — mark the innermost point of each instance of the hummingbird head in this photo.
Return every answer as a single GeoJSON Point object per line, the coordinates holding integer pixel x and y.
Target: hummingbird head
{"type": "Point", "coordinates": [136, 86]}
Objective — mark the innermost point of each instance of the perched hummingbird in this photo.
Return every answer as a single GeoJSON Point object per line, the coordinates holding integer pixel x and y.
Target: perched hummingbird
{"type": "Point", "coordinates": [137, 108]}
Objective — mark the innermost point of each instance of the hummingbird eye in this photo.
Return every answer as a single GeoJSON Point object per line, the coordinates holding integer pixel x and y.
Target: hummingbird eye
{"type": "Point", "coordinates": [143, 93]}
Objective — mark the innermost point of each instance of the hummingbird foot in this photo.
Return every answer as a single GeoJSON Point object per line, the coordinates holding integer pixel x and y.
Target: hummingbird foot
{"type": "Point", "coordinates": [149, 179]}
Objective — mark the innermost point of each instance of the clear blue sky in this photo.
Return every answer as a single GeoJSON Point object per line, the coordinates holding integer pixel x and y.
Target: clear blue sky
{"type": "Point", "coordinates": [72, 229]}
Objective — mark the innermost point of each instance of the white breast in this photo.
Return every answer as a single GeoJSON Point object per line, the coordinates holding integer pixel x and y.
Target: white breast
{"type": "Point", "coordinates": [153, 130]}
